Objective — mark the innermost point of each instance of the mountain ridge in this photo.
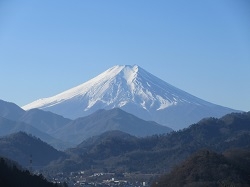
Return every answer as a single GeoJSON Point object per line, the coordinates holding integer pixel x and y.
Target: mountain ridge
{"type": "Point", "coordinates": [8, 127]}
{"type": "Point", "coordinates": [63, 133]}
{"type": "Point", "coordinates": [19, 146]}
{"type": "Point", "coordinates": [10, 110]}
{"type": "Point", "coordinates": [105, 120]}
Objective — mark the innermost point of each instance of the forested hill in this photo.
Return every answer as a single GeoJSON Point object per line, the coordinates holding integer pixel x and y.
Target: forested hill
{"type": "Point", "coordinates": [21, 146]}
{"type": "Point", "coordinates": [158, 153]}
{"type": "Point", "coordinates": [207, 168]}
{"type": "Point", "coordinates": [12, 176]}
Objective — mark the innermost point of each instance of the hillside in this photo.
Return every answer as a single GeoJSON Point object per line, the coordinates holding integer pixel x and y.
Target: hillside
{"type": "Point", "coordinates": [37, 122]}
{"type": "Point", "coordinates": [108, 120]}
{"type": "Point", "coordinates": [8, 127]}
{"type": "Point", "coordinates": [111, 143]}
{"type": "Point", "coordinates": [47, 122]}
{"type": "Point", "coordinates": [12, 176]}
{"type": "Point", "coordinates": [63, 133]}
{"type": "Point", "coordinates": [20, 147]}
{"type": "Point", "coordinates": [10, 110]}
{"type": "Point", "coordinates": [207, 168]}
{"type": "Point", "coordinates": [158, 153]}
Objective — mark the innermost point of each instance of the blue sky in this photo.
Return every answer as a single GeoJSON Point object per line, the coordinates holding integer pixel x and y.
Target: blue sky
{"type": "Point", "coordinates": [202, 47]}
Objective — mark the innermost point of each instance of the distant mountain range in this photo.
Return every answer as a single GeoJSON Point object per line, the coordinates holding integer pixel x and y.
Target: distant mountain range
{"type": "Point", "coordinates": [119, 151]}
{"type": "Point", "coordinates": [62, 133]}
{"type": "Point", "coordinates": [106, 120]}
{"type": "Point", "coordinates": [136, 91]}
{"type": "Point", "coordinates": [36, 122]}
{"type": "Point", "coordinates": [43, 121]}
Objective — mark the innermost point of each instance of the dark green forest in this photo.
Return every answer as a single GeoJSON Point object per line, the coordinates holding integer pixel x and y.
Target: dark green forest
{"type": "Point", "coordinates": [12, 176]}
{"type": "Point", "coordinates": [207, 168]}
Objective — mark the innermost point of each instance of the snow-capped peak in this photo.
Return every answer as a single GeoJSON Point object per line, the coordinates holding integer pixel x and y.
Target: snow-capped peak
{"type": "Point", "coordinates": [116, 87]}
{"type": "Point", "coordinates": [134, 90]}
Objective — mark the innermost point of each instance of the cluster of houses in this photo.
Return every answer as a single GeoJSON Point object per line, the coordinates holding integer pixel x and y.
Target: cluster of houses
{"type": "Point", "coordinates": [82, 179]}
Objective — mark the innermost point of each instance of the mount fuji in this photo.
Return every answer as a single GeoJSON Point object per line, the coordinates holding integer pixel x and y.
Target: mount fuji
{"type": "Point", "coordinates": [136, 91]}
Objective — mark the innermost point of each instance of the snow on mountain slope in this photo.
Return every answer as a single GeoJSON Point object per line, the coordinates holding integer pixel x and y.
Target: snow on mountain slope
{"type": "Point", "coordinates": [134, 90]}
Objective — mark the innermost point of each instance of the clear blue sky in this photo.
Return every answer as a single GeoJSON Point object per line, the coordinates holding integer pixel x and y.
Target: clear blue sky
{"type": "Point", "coordinates": [200, 46]}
